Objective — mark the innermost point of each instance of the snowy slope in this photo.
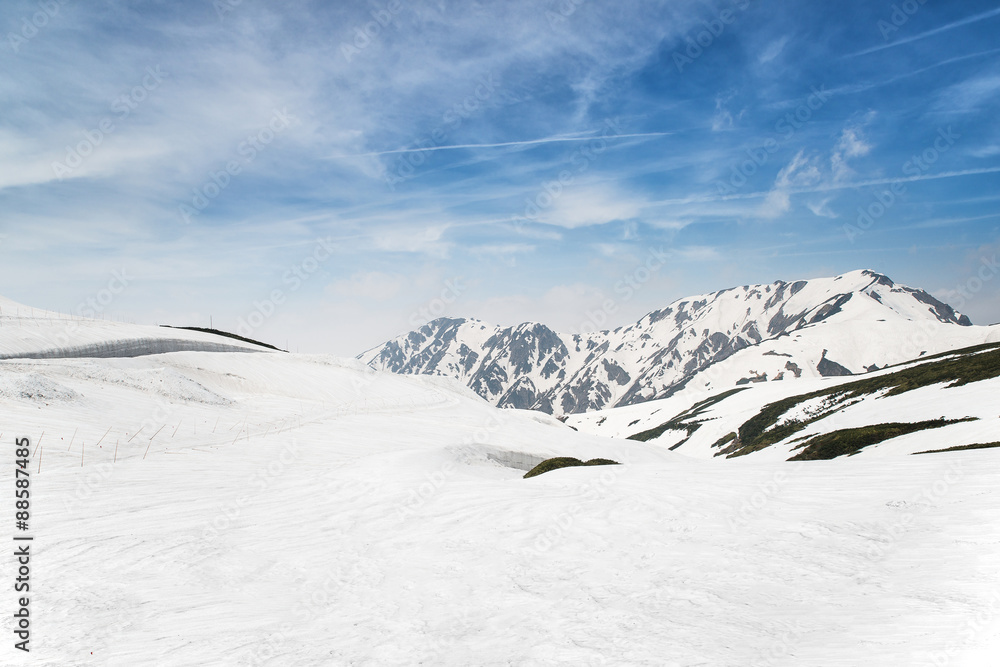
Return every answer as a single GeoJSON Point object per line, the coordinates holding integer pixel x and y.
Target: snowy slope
{"type": "Point", "coordinates": [814, 328]}
{"type": "Point", "coordinates": [33, 333]}
{"type": "Point", "coordinates": [274, 509]}
{"type": "Point", "coordinates": [725, 412]}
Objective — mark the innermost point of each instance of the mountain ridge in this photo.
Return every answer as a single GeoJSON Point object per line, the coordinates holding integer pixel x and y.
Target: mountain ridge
{"type": "Point", "coordinates": [531, 366]}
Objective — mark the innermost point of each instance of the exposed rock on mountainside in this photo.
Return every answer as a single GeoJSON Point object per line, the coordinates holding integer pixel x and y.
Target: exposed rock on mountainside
{"type": "Point", "coordinates": [754, 333]}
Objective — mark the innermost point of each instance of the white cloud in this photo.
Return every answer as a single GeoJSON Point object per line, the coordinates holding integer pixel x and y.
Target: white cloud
{"type": "Point", "coordinates": [698, 253]}
{"type": "Point", "coordinates": [801, 172]}
{"type": "Point", "coordinates": [773, 50]}
{"type": "Point", "coordinates": [991, 150]}
{"type": "Point", "coordinates": [413, 240]}
{"type": "Point", "coordinates": [371, 285]}
{"type": "Point", "coordinates": [674, 224]}
{"type": "Point", "coordinates": [502, 249]}
{"type": "Point", "coordinates": [852, 144]}
{"type": "Point", "coordinates": [822, 208]}
{"type": "Point", "coordinates": [562, 307]}
{"type": "Point", "coordinates": [724, 118]}
{"type": "Point", "coordinates": [808, 172]}
{"type": "Point", "coordinates": [590, 204]}
{"type": "Point", "coordinates": [630, 231]}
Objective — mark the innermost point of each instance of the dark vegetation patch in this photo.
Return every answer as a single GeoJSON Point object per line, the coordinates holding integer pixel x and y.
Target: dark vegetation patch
{"type": "Point", "coordinates": [724, 440]}
{"type": "Point", "coordinates": [685, 421]}
{"type": "Point", "coordinates": [950, 353]}
{"type": "Point", "coordinates": [850, 441]}
{"type": "Point", "coordinates": [566, 462]}
{"type": "Point", "coordinates": [226, 334]}
{"type": "Point", "coordinates": [984, 445]}
{"type": "Point", "coordinates": [956, 368]}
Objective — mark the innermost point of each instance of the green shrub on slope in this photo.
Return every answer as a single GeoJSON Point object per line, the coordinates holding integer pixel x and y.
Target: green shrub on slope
{"type": "Point", "coordinates": [565, 462]}
{"type": "Point", "coordinates": [850, 441]}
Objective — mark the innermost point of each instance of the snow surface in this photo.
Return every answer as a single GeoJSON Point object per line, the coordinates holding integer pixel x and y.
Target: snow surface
{"type": "Point", "coordinates": [199, 508]}
{"type": "Point", "coordinates": [29, 333]}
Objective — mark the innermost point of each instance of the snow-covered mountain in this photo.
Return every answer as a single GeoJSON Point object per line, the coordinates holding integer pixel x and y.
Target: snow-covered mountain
{"type": "Point", "coordinates": [848, 324]}
{"type": "Point", "coordinates": [932, 403]}
{"type": "Point", "coordinates": [172, 493]}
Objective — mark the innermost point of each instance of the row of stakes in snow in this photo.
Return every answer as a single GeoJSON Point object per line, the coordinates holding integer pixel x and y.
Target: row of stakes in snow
{"type": "Point", "coordinates": [31, 319]}
{"type": "Point", "coordinates": [294, 421]}
{"type": "Point", "coordinates": [39, 448]}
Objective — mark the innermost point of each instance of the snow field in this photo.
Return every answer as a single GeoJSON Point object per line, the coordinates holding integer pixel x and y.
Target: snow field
{"type": "Point", "coordinates": [338, 516]}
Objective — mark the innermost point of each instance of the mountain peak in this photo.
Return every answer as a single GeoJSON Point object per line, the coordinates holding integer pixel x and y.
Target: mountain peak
{"type": "Point", "coordinates": [782, 330]}
{"type": "Point", "coordinates": [880, 278]}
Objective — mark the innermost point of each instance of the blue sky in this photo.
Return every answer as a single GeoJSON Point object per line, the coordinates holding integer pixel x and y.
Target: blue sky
{"type": "Point", "coordinates": [330, 173]}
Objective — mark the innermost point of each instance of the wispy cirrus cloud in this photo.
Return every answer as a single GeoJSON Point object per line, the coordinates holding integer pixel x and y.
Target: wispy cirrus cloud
{"type": "Point", "coordinates": [975, 18]}
{"type": "Point", "coordinates": [407, 102]}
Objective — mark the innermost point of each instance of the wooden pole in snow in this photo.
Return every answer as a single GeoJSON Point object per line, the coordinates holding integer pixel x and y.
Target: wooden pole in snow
{"type": "Point", "coordinates": [104, 436]}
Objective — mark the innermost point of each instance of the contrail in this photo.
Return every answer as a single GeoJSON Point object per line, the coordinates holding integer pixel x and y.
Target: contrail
{"type": "Point", "coordinates": [828, 188]}
{"type": "Point", "coordinates": [949, 26]}
{"type": "Point", "coordinates": [528, 142]}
